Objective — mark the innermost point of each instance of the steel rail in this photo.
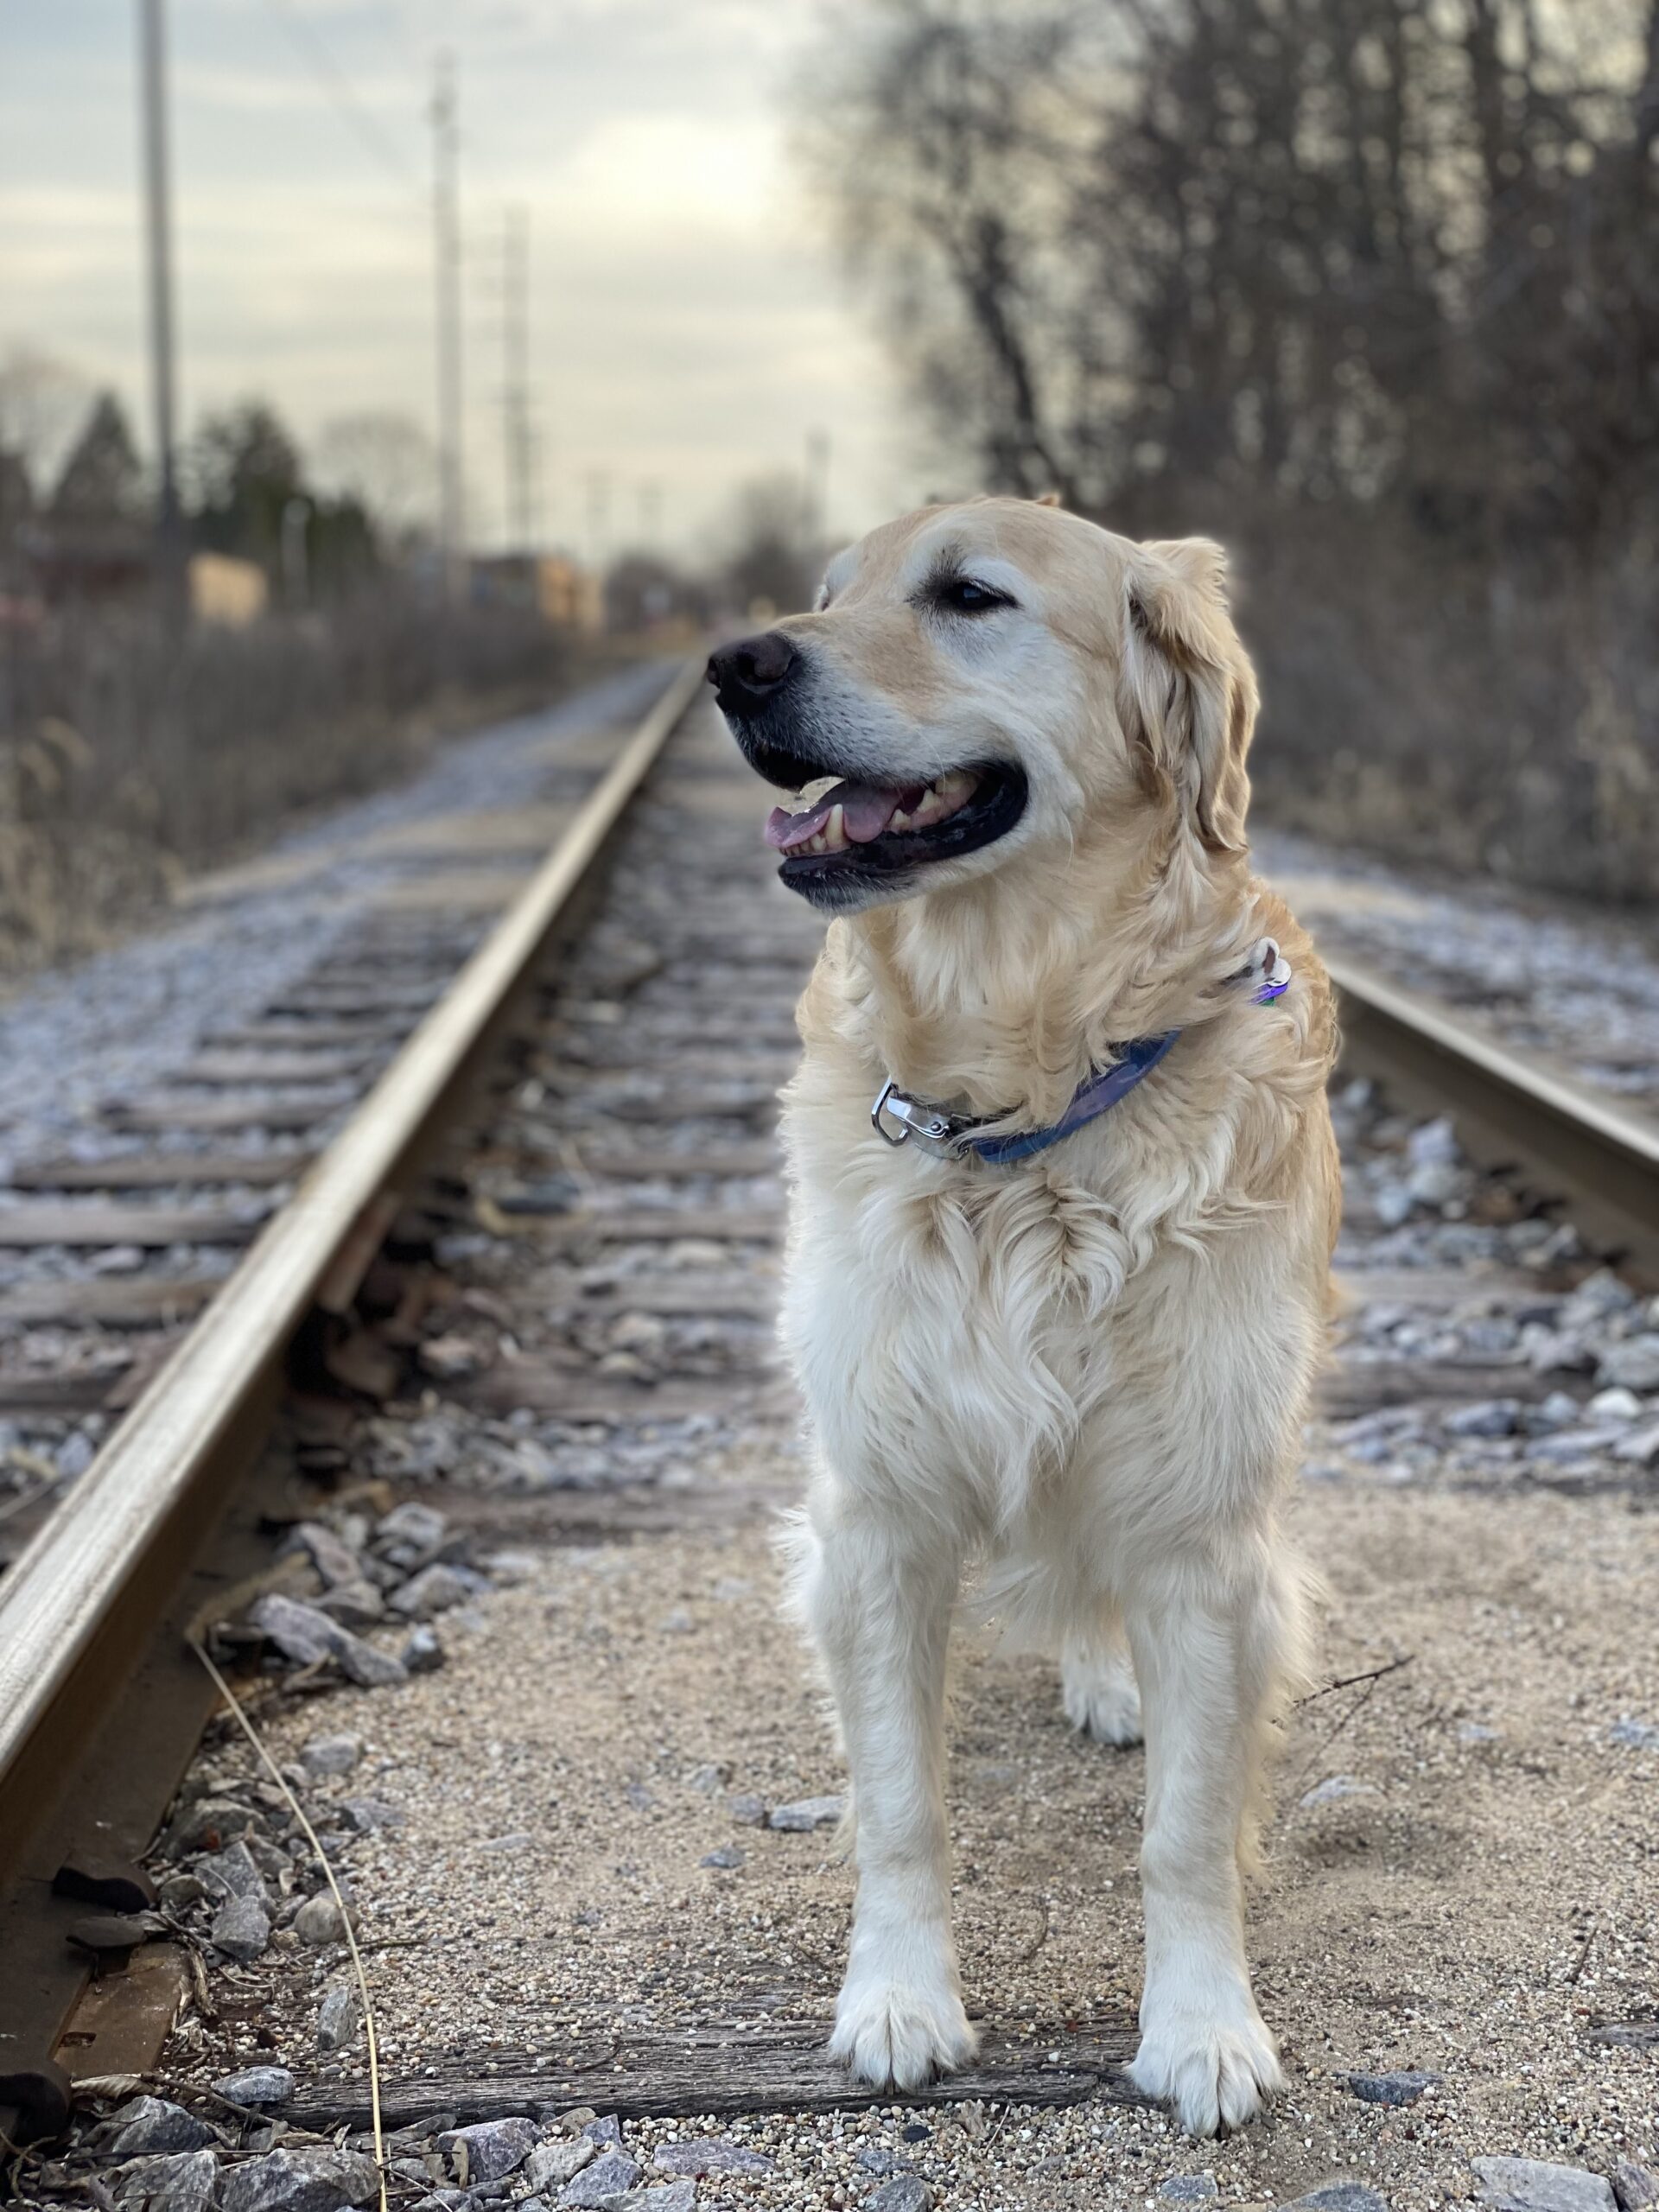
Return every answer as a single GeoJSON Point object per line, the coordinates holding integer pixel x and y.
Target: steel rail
{"type": "Point", "coordinates": [76, 1605]}
{"type": "Point", "coordinates": [1580, 1146]}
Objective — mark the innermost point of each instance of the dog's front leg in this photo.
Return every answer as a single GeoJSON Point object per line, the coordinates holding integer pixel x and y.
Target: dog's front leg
{"type": "Point", "coordinates": [880, 1610]}
{"type": "Point", "coordinates": [1208, 1657]}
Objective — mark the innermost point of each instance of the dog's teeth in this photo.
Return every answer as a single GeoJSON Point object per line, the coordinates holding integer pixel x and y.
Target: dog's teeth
{"type": "Point", "coordinates": [898, 819]}
{"type": "Point", "coordinates": [834, 834]}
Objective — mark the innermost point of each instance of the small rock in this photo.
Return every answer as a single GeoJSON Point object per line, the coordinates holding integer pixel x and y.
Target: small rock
{"type": "Point", "coordinates": [1618, 1404]}
{"type": "Point", "coordinates": [709, 1779]}
{"type": "Point", "coordinates": [807, 1813]}
{"type": "Point", "coordinates": [331, 1754]}
{"type": "Point", "coordinates": [177, 1893]}
{"type": "Point", "coordinates": [367, 1814]}
{"type": "Point", "coordinates": [1559, 1351]}
{"type": "Point", "coordinates": [1599, 1297]}
{"type": "Point", "coordinates": [549, 2165]}
{"type": "Point", "coordinates": [1335, 1787]}
{"type": "Point", "coordinates": [677, 1623]}
{"type": "Point", "coordinates": [876, 2158]}
{"type": "Point", "coordinates": [603, 2129]}
{"type": "Point", "coordinates": [151, 2125]}
{"type": "Point", "coordinates": [422, 1654]}
{"type": "Point", "coordinates": [1434, 1143]}
{"type": "Point", "coordinates": [316, 2179]}
{"type": "Point", "coordinates": [903, 2193]}
{"type": "Point", "coordinates": [1475, 1731]}
{"type": "Point", "coordinates": [433, 1590]}
{"type": "Point", "coordinates": [320, 1921]}
{"type": "Point", "coordinates": [307, 1636]}
{"type": "Point", "coordinates": [509, 1568]}
{"type": "Point", "coordinates": [233, 1872]}
{"type": "Point", "coordinates": [450, 1358]}
{"type": "Point", "coordinates": [180, 2182]}
{"type": "Point", "coordinates": [241, 1928]}
{"type": "Point", "coordinates": [726, 1856]}
{"type": "Point", "coordinates": [1401, 2087]}
{"type": "Point", "coordinates": [1535, 2185]}
{"type": "Point", "coordinates": [353, 1605]}
{"type": "Point", "coordinates": [1189, 2188]}
{"type": "Point", "coordinates": [1340, 2196]}
{"type": "Point", "coordinates": [259, 2085]}
{"type": "Point", "coordinates": [334, 1560]}
{"type": "Point", "coordinates": [1635, 1735]}
{"type": "Point", "coordinates": [339, 2016]}
{"type": "Point", "coordinates": [710, 2154]}
{"type": "Point", "coordinates": [1633, 2188]}
{"type": "Point", "coordinates": [666, 2197]}
{"type": "Point", "coordinates": [612, 2174]}
{"type": "Point", "coordinates": [1484, 1417]}
{"type": "Point", "coordinates": [516, 1840]}
{"type": "Point", "coordinates": [206, 1825]}
{"type": "Point", "coordinates": [1641, 1445]}
{"type": "Point", "coordinates": [488, 2150]}
{"type": "Point", "coordinates": [409, 1535]}
{"type": "Point", "coordinates": [1635, 1364]}
{"type": "Point", "coordinates": [746, 1809]}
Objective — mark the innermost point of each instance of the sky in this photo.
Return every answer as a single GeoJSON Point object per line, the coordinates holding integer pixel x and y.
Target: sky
{"type": "Point", "coordinates": [689, 324]}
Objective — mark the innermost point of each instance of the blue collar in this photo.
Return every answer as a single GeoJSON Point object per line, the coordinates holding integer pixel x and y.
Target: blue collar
{"type": "Point", "coordinates": [898, 1117]}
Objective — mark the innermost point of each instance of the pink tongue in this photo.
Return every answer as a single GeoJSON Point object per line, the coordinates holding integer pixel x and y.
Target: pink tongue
{"type": "Point", "coordinates": [866, 808]}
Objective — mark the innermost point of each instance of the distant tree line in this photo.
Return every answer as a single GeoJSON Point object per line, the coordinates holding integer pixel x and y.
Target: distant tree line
{"type": "Point", "coordinates": [1367, 288]}
{"type": "Point", "coordinates": [316, 527]}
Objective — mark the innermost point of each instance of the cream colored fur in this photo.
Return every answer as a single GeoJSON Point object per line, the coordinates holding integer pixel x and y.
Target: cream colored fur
{"type": "Point", "coordinates": [1079, 1381]}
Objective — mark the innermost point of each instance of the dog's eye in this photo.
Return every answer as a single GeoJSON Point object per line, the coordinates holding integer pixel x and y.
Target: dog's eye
{"type": "Point", "coordinates": [962, 595]}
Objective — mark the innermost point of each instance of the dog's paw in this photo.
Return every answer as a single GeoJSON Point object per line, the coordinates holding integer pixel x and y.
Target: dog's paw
{"type": "Point", "coordinates": [1213, 2072]}
{"type": "Point", "coordinates": [896, 2036]}
{"type": "Point", "coordinates": [1099, 1698]}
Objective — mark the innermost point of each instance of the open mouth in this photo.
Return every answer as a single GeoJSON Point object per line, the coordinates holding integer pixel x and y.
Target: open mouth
{"type": "Point", "coordinates": [841, 830]}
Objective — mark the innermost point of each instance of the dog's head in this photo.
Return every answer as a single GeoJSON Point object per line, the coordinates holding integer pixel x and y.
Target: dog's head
{"type": "Point", "coordinates": [988, 681]}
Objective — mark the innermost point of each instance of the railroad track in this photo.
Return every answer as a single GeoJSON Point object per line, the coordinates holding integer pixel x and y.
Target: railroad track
{"type": "Point", "coordinates": [520, 1210]}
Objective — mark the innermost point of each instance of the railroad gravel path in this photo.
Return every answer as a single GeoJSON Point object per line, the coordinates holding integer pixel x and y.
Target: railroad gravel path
{"type": "Point", "coordinates": [588, 1824]}
{"type": "Point", "coordinates": [1577, 984]}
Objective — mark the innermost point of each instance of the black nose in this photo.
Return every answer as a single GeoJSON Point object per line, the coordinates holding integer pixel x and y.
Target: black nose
{"type": "Point", "coordinates": [745, 675]}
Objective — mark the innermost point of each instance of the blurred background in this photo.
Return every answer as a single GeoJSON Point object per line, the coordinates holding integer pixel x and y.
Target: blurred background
{"type": "Point", "coordinates": [372, 368]}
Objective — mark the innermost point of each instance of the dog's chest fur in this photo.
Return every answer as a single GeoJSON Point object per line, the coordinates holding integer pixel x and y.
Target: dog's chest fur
{"type": "Point", "coordinates": [977, 1325]}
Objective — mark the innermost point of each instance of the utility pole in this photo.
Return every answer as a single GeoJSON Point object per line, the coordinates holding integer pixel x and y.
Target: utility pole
{"type": "Point", "coordinates": [446, 248]}
{"type": "Point", "coordinates": [158, 225]}
{"type": "Point", "coordinates": [515, 384]}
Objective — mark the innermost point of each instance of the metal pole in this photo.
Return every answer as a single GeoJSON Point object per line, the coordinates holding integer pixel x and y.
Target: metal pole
{"type": "Point", "coordinates": [158, 215]}
{"type": "Point", "coordinates": [515, 330]}
{"type": "Point", "coordinates": [446, 230]}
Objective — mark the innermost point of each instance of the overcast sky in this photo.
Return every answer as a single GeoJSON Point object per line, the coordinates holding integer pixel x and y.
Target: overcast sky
{"type": "Point", "coordinates": [689, 326]}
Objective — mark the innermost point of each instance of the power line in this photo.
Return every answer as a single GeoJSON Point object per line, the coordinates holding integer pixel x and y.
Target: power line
{"type": "Point", "coordinates": [308, 40]}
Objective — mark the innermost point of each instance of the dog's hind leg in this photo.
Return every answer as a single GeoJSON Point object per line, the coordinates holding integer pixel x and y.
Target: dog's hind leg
{"type": "Point", "coordinates": [879, 1608]}
{"type": "Point", "coordinates": [1098, 1692]}
{"type": "Point", "coordinates": [1212, 1652]}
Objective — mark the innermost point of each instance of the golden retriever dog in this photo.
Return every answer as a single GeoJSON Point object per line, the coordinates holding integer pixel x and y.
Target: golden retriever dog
{"type": "Point", "coordinates": [1062, 1197]}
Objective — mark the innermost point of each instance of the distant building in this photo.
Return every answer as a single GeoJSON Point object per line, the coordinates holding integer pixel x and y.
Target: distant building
{"type": "Point", "coordinates": [226, 590]}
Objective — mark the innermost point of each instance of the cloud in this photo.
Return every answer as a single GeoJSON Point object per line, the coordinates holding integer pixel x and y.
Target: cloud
{"type": "Point", "coordinates": [684, 326]}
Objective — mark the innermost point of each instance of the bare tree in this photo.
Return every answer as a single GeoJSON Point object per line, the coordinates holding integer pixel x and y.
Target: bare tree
{"type": "Point", "coordinates": [387, 463]}
{"type": "Point", "coordinates": [43, 401]}
{"type": "Point", "coordinates": [1369, 286]}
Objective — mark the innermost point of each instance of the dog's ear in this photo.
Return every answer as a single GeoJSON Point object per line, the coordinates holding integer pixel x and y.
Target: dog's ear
{"type": "Point", "coordinates": [1186, 689]}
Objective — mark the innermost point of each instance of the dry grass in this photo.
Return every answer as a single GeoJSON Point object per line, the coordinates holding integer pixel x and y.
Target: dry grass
{"type": "Point", "coordinates": [127, 759]}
